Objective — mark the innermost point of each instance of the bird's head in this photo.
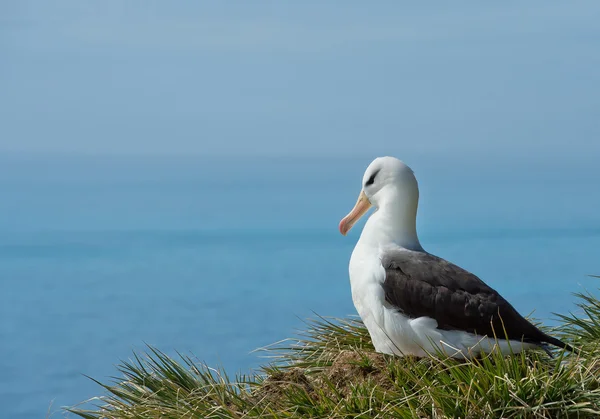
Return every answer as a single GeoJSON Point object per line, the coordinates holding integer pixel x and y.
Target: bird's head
{"type": "Point", "coordinates": [387, 182]}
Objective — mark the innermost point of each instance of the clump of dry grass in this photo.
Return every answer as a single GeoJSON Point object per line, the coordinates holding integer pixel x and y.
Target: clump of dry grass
{"type": "Point", "coordinates": [332, 371]}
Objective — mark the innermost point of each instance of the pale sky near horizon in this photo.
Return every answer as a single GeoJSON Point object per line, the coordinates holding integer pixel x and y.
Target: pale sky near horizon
{"type": "Point", "coordinates": [342, 78]}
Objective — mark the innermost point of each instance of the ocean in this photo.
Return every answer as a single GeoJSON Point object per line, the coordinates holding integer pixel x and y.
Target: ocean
{"type": "Point", "coordinates": [215, 257]}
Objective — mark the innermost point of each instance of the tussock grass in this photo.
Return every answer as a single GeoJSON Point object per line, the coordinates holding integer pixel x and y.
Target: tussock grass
{"type": "Point", "coordinates": [332, 371]}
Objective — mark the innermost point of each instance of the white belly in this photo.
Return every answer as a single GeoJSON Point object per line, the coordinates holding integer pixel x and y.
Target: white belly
{"type": "Point", "coordinates": [395, 333]}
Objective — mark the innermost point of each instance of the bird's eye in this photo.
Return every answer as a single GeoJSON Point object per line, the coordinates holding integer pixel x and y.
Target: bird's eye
{"type": "Point", "coordinates": [371, 179]}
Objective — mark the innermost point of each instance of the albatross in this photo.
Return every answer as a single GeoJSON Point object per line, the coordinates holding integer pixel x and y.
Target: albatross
{"type": "Point", "coordinates": [415, 303]}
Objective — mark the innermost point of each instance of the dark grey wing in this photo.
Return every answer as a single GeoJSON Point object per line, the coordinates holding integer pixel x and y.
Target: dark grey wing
{"type": "Point", "coordinates": [420, 284]}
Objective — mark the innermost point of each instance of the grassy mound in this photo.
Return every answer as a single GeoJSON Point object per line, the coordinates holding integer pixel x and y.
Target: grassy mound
{"type": "Point", "coordinates": [332, 371]}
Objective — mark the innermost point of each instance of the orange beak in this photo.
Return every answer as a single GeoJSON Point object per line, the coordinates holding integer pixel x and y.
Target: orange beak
{"type": "Point", "coordinates": [361, 207]}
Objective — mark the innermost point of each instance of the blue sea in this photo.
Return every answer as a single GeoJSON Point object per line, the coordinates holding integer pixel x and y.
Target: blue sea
{"type": "Point", "coordinates": [215, 257]}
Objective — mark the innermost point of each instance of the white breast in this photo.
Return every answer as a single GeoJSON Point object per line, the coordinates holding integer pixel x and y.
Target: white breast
{"type": "Point", "coordinates": [391, 332]}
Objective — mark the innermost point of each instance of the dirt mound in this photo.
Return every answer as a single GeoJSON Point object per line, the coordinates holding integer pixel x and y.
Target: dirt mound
{"type": "Point", "coordinates": [348, 369]}
{"type": "Point", "coordinates": [351, 367]}
{"type": "Point", "coordinates": [279, 383]}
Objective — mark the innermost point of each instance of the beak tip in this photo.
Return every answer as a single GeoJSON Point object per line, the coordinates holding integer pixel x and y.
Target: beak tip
{"type": "Point", "coordinates": [341, 228]}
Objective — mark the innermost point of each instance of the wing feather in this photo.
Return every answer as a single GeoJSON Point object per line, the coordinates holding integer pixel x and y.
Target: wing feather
{"type": "Point", "coordinates": [420, 284]}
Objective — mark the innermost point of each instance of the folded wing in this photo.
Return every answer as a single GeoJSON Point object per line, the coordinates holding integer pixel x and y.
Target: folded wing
{"type": "Point", "coordinates": [420, 284]}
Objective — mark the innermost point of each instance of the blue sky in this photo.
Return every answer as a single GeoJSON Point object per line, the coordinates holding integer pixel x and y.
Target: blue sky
{"type": "Point", "coordinates": [304, 78]}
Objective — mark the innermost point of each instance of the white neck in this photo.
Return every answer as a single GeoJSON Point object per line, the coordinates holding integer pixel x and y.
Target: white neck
{"type": "Point", "coordinates": [394, 223]}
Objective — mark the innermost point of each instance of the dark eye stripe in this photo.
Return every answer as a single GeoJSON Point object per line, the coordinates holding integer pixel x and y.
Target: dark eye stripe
{"type": "Point", "coordinates": [371, 179]}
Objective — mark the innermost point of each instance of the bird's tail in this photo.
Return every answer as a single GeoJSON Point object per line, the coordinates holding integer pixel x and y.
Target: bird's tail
{"type": "Point", "coordinates": [557, 342]}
